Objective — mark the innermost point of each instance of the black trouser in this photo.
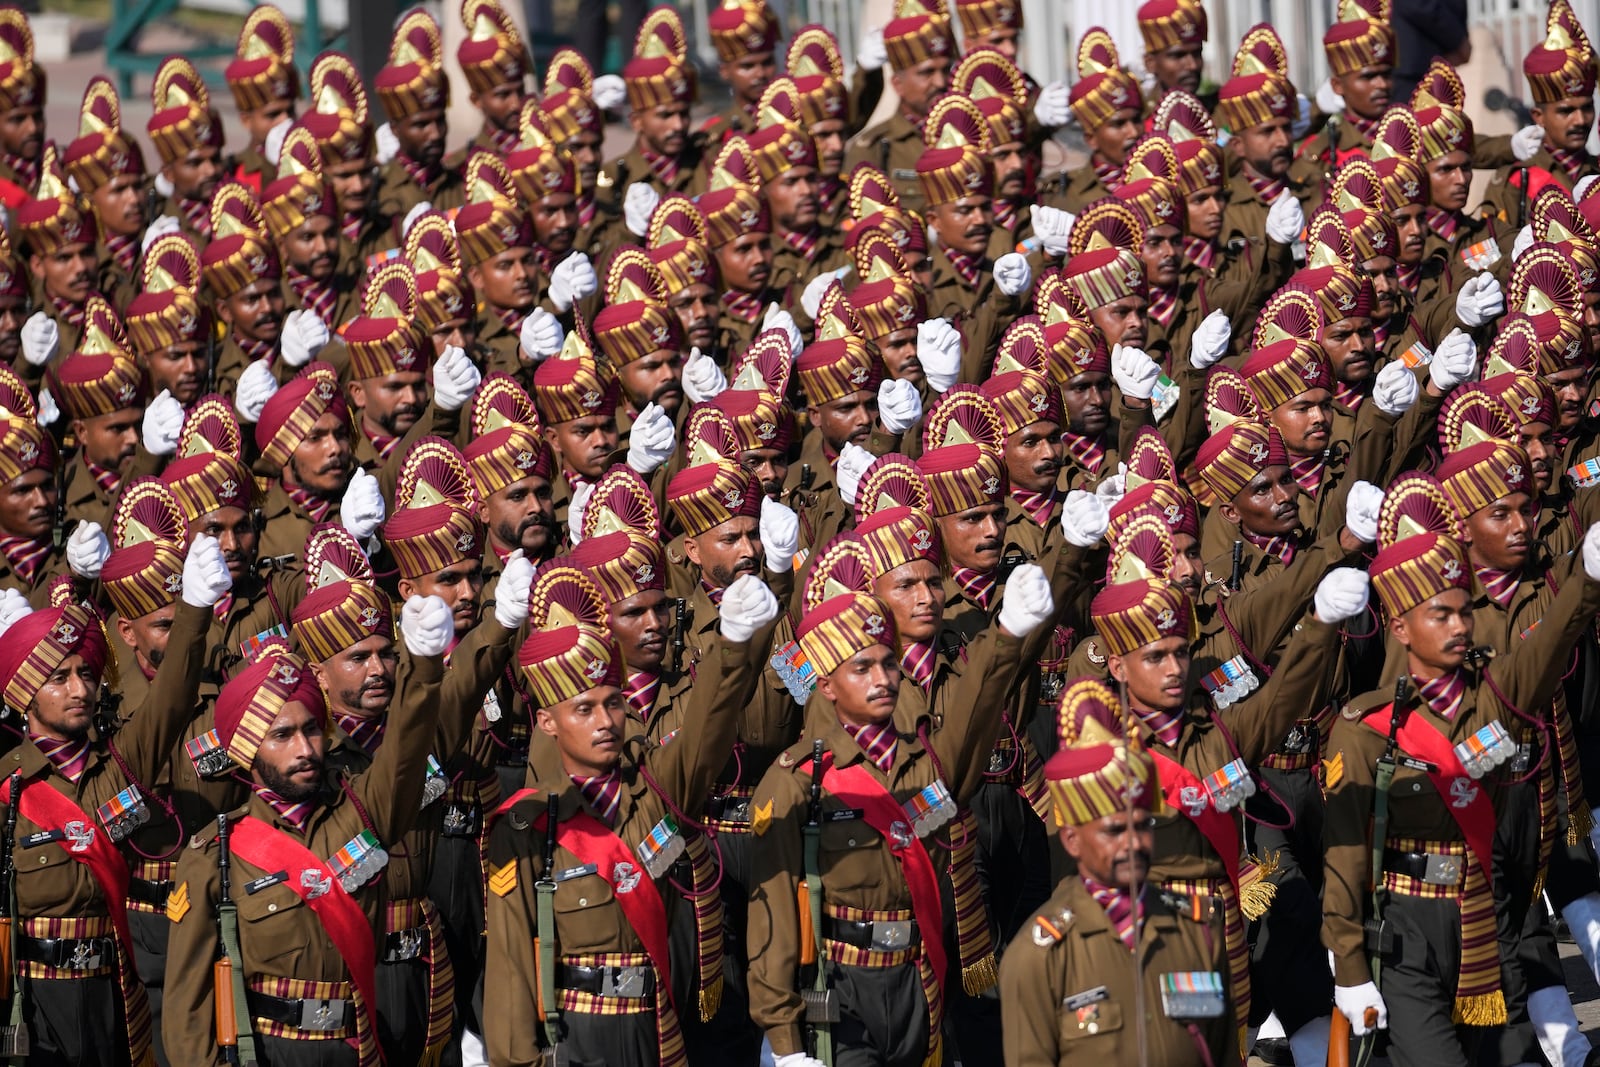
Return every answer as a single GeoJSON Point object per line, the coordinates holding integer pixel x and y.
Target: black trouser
{"type": "Point", "coordinates": [74, 1022]}
{"type": "Point", "coordinates": [149, 933]}
{"type": "Point", "coordinates": [285, 1052]}
{"type": "Point", "coordinates": [1418, 982]}
{"type": "Point", "coordinates": [456, 889]}
{"type": "Point", "coordinates": [883, 1016]}
{"type": "Point", "coordinates": [1518, 919]}
{"type": "Point", "coordinates": [611, 1040]}
{"type": "Point", "coordinates": [1288, 965]}
{"type": "Point", "coordinates": [730, 1037]}
{"type": "Point", "coordinates": [403, 1014]}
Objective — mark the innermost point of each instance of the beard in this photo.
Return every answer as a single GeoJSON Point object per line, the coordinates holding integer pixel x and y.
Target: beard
{"type": "Point", "coordinates": [286, 787]}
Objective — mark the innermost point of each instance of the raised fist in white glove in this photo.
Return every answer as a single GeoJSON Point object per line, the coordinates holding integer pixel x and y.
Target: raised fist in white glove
{"type": "Point", "coordinates": [702, 379]}
{"type": "Point", "coordinates": [1361, 511]}
{"type": "Point", "coordinates": [163, 225]}
{"type": "Point", "coordinates": [272, 146]}
{"type": "Point", "coordinates": [1012, 275]}
{"type": "Point", "coordinates": [87, 550]}
{"type": "Point", "coordinates": [13, 606]}
{"type": "Point", "coordinates": [386, 143]}
{"type": "Point", "coordinates": [1285, 219]}
{"type": "Point", "coordinates": [1209, 342]}
{"type": "Point", "coordinates": [304, 335]}
{"type": "Point", "coordinates": [1051, 226]}
{"type": "Point", "coordinates": [1084, 518]}
{"type": "Point", "coordinates": [575, 508]}
{"type": "Point", "coordinates": [899, 405]}
{"type": "Point", "coordinates": [747, 606]}
{"type": "Point", "coordinates": [256, 386]}
{"type": "Point", "coordinates": [572, 280]}
{"type": "Point", "coordinates": [848, 469]}
{"type": "Point", "coordinates": [1591, 553]}
{"type": "Point", "coordinates": [779, 527]}
{"type": "Point", "coordinates": [428, 624]}
{"type": "Point", "coordinates": [540, 337]}
{"type": "Point", "coordinates": [1523, 242]}
{"type": "Point", "coordinates": [939, 353]}
{"type": "Point", "coordinates": [361, 510]}
{"type": "Point", "coordinates": [1134, 372]}
{"type": "Point", "coordinates": [41, 337]}
{"type": "Point", "coordinates": [1454, 361]}
{"type": "Point", "coordinates": [205, 573]}
{"type": "Point", "coordinates": [413, 215]}
{"type": "Point", "coordinates": [1050, 109]}
{"type": "Point", "coordinates": [609, 92]}
{"type": "Point", "coordinates": [1395, 389]}
{"type": "Point", "coordinates": [163, 184]}
{"type": "Point", "coordinates": [1479, 300]}
{"type": "Point", "coordinates": [1113, 487]}
{"type": "Point", "coordinates": [778, 319]}
{"type": "Point", "coordinates": [511, 594]}
{"type": "Point", "coordinates": [1328, 101]}
{"type": "Point", "coordinates": [455, 379]}
{"type": "Point", "coordinates": [48, 412]}
{"type": "Point", "coordinates": [1353, 1003]}
{"type": "Point", "coordinates": [638, 204]}
{"type": "Point", "coordinates": [871, 54]}
{"type": "Point", "coordinates": [817, 288]}
{"type": "Point", "coordinates": [796, 1059]}
{"type": "Point", "coordinates": [652, 439]}
{"type": "Point", "coordinates": [163, 421]}
{"type": "Point", "coordinates": [1526, 142]}
{"type": "Point", "coordinates": [1342, 594]}
{"type": "Point", "coordinates": [1026, 603]}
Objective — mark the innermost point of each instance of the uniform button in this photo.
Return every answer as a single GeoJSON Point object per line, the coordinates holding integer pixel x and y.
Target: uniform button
{"type": "Point", "coordinates": [272, 907]}
{"type": "Point", "coordinates": [1094, 1028]}
{"type": "Point", "coordinates": [851, 842]}
{"type": "Point", "coordinates": [1416, 787]}
{"type": "Point", "coordinates": [583, 902]}
{"type": "Point", "coordinates": [44, 859]}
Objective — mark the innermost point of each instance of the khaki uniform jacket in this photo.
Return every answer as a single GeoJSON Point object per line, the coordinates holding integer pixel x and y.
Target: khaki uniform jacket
{"type": "Point", "coordinates": [82, 499]}
{"type": "Point", "coordinates": [791, 271]}
{"type": "Point", "coordinates": [768, 720]}
{"type": "Point", "coordinates": [38, 590]}
{"type": "Point", "coordinates": [279, 936]}
{"type": "Point", "coordinates": [611, 187]}
{"type": "Point", "coordinates": [1506, 201]}
{"type": "Point", "coordinates": [588, 920]}
{"type": "Point", "coordinates": [1416, 810]}
{"type": "Point", "coordinates": [287, 524]}
{"type": "Point", "coordinates": [1075, 190]}
{"type": "Point", "coordinates": [1246, 214]}
{"type": "Point", "coordinates": [1314, 164]}
{"type": "Point", "coordinates": [980, 313]}
{"type": "Point", "coordinates": [348, 280]}
{"type": "Point", "coordinates": [1075, 954]}
{"type": "Point", "coordinates": [893, 146]}
{"type": "Point", "coordinates": [397, 193]}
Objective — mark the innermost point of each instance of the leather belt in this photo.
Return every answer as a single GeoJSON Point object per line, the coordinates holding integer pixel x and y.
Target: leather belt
{"type": "Point", "coordinates": [733, 809]}
{"type": "Point", "coordinates": [1432, 868]}
{"type": "Point", "coordinates": [312, 1016]}
{"type": "Point", "coordinates": [148, 892]}
{"type": "Point", "coordinates": [616, 982]}
{"type": "Point", "coordinates": [881, 935]}
{"type": "Point", "coordinates": [402, 945]}
{"type": "Point", "coordinates": [68, 953]}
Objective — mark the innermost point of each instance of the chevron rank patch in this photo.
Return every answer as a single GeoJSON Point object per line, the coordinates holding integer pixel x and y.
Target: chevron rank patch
{"type": "Point", "coordinates": [178, 902]}
{"type": "Point", "coordinates": [761, 818]}
{"type": "Point", "coordinates": [1333, 770]}
{"type": "Point", "coordinates": [504, 880]}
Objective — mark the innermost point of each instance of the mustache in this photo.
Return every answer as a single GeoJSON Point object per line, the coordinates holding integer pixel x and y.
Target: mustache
{"type": "Point", "coordinates": [336, 466]}
{"type": "Point", "coordinates": [880, 692]}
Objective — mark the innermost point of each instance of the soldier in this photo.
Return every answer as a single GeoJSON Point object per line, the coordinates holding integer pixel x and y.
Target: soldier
{"type": "Point", "coordinates": [107, 166]}
{"type": "Point", "coordinates": [339, 123]}
{"type": "Point", "coordinates": [13, 303]}
{"type": "Point", "coordinates": [188, 137]}
{"type": "Point", "coordinates": [101, 393]}
{"type": "Point", "coordinates": [240, 269]}
{"type": "Point", "coordinates": [168, 323]}
{"type": "Point", "coordinates": [547, 181]}
{"type": "Point", "coordinates": [1105, 101]}
{"type": "Point", "coordinates": [1069, 993]}
{"type": "Point", "coordinates": [818, 72]}
{"type": "Point", "coordinates": [677, 246]}
{"type": "Point", "coordinates": [266, 86]}
{"type": "Point", "coordinates": [1264, 197]}
{"type": "Point", "coordinates": [1360, 48]}
{"type": "Point", "coordinates": [892, 311]}
{"type": "Point", "coordinates": [22, 98]}
{"type": "Point", "coordinates": [496, 65]}
{"type": "Point", "coordinates": [745, 34]}
{"type": "Point", "coordinates": [739, 234]}
{"type": "Point", "coordinates": [577, 401]}
{"type": "Point", "coordinates": [30, 556]}
{"type": "Point", "coordinates": [414, 92]}
{"type": "Point", "coordinates": [1174, 34]}
{"type": "Point", "coordinates": [58, 239]}
{"type": "Point", "coordinates": [1468, 243]}
{"type": "Point", "coordinates": [512, 468]}
{"type": "Point", "coordinates": [640, 339]}
{"type": "Point", "coordinates": [806, 252]}
{"type": "Point", "coordinates": [576, 123]}
{"type": "Point", "coordinates": [662, 86]}
{"type": "Point", "coordinates": [302, 213]}
{"type": "Point", "coordinates": [446, 306]}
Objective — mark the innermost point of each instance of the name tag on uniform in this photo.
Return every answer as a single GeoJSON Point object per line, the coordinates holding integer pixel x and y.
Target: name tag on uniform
{"type": "Point", "coordinates": [266, 881]}
{"type": "Point", "coordinates": [901, 174]}
{"type": "Point", "coordinates": [1417, 765]}
{"type": "Point", "coordinates": [843, 815]}
{"type": "Point", "coordinates": [43, 837]}
{"type": "Point", "coordinates": [576, 872]}
{"type": "Point", "coordinates": [1192, 995]}
{"type": "Point", "coordinates": [1086, 998]}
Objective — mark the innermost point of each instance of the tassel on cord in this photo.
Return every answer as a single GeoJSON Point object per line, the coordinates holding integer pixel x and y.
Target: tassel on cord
{"type": "Point", "coordinates": [976, 978]}
{"type": "Point", "coordinates": [433, 1055]}
{"type": "Point", "coordinates": [711, 999]}
{"type": "Point", "coordinates": [935, 1055]}
{"type": "Point", "coordinates": [1481, 1009]}
{"type": "Point", "coordinates": [1580, 820]}
{"type": "Point", "coordinates": [1256, 894]}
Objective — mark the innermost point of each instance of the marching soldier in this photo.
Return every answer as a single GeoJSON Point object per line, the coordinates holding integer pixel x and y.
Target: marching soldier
{"type": "Point", "coordinates": [415, 92]}
{"type": "Point", "coordinates": [266, 87]}
{"type": "Point", "coordinates": [496, 65]}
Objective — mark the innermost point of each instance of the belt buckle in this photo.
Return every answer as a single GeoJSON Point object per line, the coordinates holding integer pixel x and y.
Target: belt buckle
{"type": "Point", "coordinates": [622, 982]}
{"type": "Point", "coordinates": [408, 945]}
{"type": "Point", "coordinates": [736, 809]}
{"type": "Point", "coordinates": [1523, 758]}
{"type": "Point", "coordinates": [1442, 869]}
{"type": "Point", "coordinates": [1298, 741]}
{"type": "Point", "coordinates": [999, 762]}
{"type": "Point", "coordinates": [321, 1015]}
{"type": "Point", "coordinates": [891, 935]}
{"type": "Point", "coordinates": [85, 957]}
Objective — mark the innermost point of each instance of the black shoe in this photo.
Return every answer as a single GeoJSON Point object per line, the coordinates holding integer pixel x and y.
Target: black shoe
{"type": "Point", "coordinates": [1274, 1052]}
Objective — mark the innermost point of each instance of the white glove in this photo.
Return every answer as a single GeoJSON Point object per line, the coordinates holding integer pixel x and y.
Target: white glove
{"type": "Point", "coordinates": [428, 625]}
{"type": "Point", "coordinates": [164, 184]}
{"type": "Point", "coordinates": [702, 379]}
{"type": "Point", "coordinates": [256, 386]}
{"type": "Point", "coordinates": [386, 143]}
{"type": "Point", "coordinates": [1591, 553]}
{"type": "Point", "coordinates": [747, 606]}
{"type": "Point", "coordinates": [1342, 594]}
{"type": "Point", "coordinates": [163, 421]}
{"type": "Point", "coordinates": [541, 336]}
{"type": "Point", "coordinates": [87, 550]}
{"type": "Point", "coordinates": [778, 319]}
{"type": "Point", "coordinates": [48, 412]}
{"type": "Point", "coordinates": [1134, 372]}
{"type": "Point", "coordinates": [852, 463]}
{"type": "Point", "coordinates": [13, 606]}
{"type": "Point", "coordinates": [1526, 142]}
{"type": "Point", "coordinates": [1395, 389]}
{"type": "Point", "coordinates": [1454, 361]}
{"type": "Point", "coordinates": [272, 147]}
{"type": "Point", "coordinates": [1522, 243]}
{"type": "Point", "coordinates": [871, 54]}
{"type": "Point", "coordinates": [796, 1059]}
{"type": "Point", "coordinates": [609, 92]}
{"type": "Point", "coordinates": [817, 288]}
{"type": "Point", "coordinates": [1302, 117]}
{"type": "Point", "coordinates": [1012, 275]}
{"type": "Point", "coordinates": [899, 405]}
{"type": "Point", "coordinates": [1113, 487]}
{"type": "Point", "coordinates": [572, 280]}
{"type": "Point", "coordinates": [1361, 511]}
{"type": "Point", "coordinates": [1050, 109]}
{"type": "Point", "coordinates": [1285, 219]}
{"type": "Point", "coordinates": [780, 535]}
{"type": "Point", "coordinates": [304, 335]}
{"type": "Point", "coordinates": [1209, 342]}
{"type": "Point", "coordinates": [413, 215]}
{"type": "Point", "coordinates": [1353, 1002]}
{"type": "Point", "coordinates": [1479, 300]}
{"type": "Point", "coordinates": [575, 508]}
{"type": "Point", "coordinates": [1051, 226]}
{"type": "Point", "coordinates": [1026, 603]}
{"type": "Point", "coordinates": [455, 379]}
{"type": "Point", "coordinates": [1328, 101]}
{"type": "Point", "coordinates": [163, 225]}
{"type": "Point", "coordinates": [362, 509]}
{"type": "Point", "coordinates": [205, 573]}
{"type": "Point", "coordinates": [511, 595]}
{"type": "Point", "coordinates": [939, 352]}
{"type": "Point", "coordinates": [41, 337]}
{"type": "Point", "coordinates": [638, 204]}
{"type": "Point", "coordinates": [652, 440]}
{"type": "Point", "coordinates": [1084, 518]}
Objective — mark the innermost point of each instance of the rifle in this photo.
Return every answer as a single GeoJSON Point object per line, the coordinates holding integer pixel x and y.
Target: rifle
{"type": "Point", "coordinates": [822, 1007]}
{"type": "Point", "coordinates": [1236, 576]}
{"type": "Point", "coordinates": [680, 625]}
{"type": "Point", "coordinates": [234, 1036]}
{"type": "Point", "coordinates": [544, 944]}
{"type": "Point", "coordinates": [14, 1041]}
{"type": "Point", "coordinates": [1379, 939]}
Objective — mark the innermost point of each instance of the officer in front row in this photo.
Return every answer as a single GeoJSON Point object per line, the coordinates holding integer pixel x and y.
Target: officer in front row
{"type": "Point", "coordinates": [1069, 997]}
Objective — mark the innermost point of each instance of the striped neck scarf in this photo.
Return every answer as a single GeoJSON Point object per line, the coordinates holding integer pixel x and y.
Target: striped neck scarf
{"type": "Point", "coordinates": [256, 350]}
{"type": "Point", "coordinates": [917, 662]}
{"type": "Point", "coordinates": [350, 228]}
{"type": "Point", "coordinates": [1500, 585]}
{"type": "Point", "coordinates": [746, 307]}
{"type": "Point", "coordinates": [505, 141]}
{"type": "Point", "coordinates": [424, 175]}
{"type": "Point", "coordinates": [1110, 174]}
{"type": "Point", "coordinates": [197, 213]}
{"type": "Point", "coordinates": [574, 479]}
{"type": "Point", "coordinates": [1086, 452]}
{"type": "Point", "coordinates": [1163, 303]}
{"type": "Point", "coordinates": [586, 209]}
{"type": "Point", "coordinates": [1443, 694]}
{"type": "Point", "coordinates": [877, 740]}
{"type": "Point", "coordinates": [319, 298]}
{"type": "Point", "coordinates": [1200, 252]}
{"type": "Point", "coordinates": [966, 267]}
{"type": "Point", "coordinates": [293, 814]}
{"type": "Point", "coordinates": [1038, 506]}
{"type": "Point", "coordinates": [715, 594]}
{"type": "Point", "coordinates": [1410, 275]}
{"type": "Point", "coordinates": [1120, 907]}
{"type": "Point", "coordinates": [67, 311]}
{"type": "Point", "coordinates": [1348, 395]}
{"type": "Point", "coordinates": [665, 168]}
{"type": "Point", "coordinates": [382, 443]}
{"type": "Point", "coordinates": [1367, 128]}
{"type": "Point", "coordinates": [1266, 189]}
{"type": "Point", "coordinates": [640, 692]}
{"type": "Point", "coordinates": [977, 586]}
{"type": "Point", "coordinates": [1380, 333]}
{"type": "Point", "coordinates": [25, 555]}
{"type": "Point", "coordinates": [805, 243]}
{"type": "Point", "coordinates": [27, 169]}
{"type": "Point", "coordinates": [124, 250]}
{"type": "Point", "coordinates": [107, 478]}
{"type": "Point", "coordinates": [1280, 548]}
{"type": "Point", "coordinates": [1307, 470]}
{"type": "Point", "coordinates": [510, 318]}
{"type": "Point", "coordinates": [69, 758]}
{"type": "Point", "coordinates": [314, 506]}
{"type": "Point", "coordinates": [220, 609]}
{"type": "Point", "coordinates": [545, 258]}
{"type": "Point", "coordinates": [1444, 223]}
{"type": "Point", "coordinates": [366, 732]}
{"type": "Point", "coordinates": [1166, 725]}
{"type": "Point", "coordinates": [603, 792]}
{"type": "Point", "coordinates": [1574, 163]}
{"type": "Point", "coordinates": [1006, 213]}
{"type": "Point", "coordinates": [829, 190]}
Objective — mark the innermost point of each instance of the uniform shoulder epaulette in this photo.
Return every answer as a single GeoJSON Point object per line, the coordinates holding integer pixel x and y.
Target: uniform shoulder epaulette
{"type": "Point", "coordinates": [795, 754]}
{"type": "Point", "coordinates": [1367, 703]}
{"type": "Point", "coordinates": [1050, 927]}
